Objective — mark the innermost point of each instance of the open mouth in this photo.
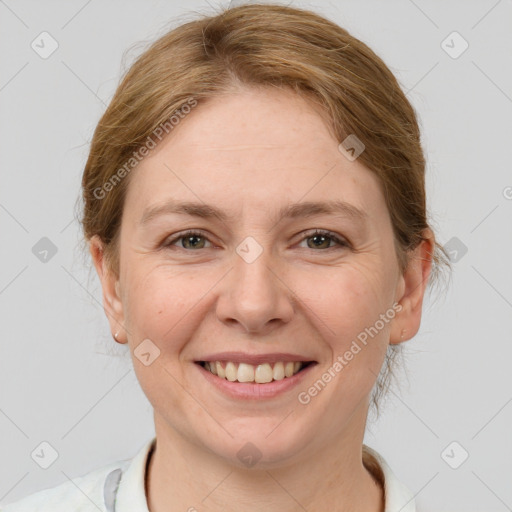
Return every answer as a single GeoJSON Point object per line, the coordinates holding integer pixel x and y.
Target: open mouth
{"type": "Point", "coordinates": [259, 374]}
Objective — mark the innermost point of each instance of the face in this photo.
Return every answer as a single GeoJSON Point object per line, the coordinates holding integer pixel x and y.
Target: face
{"type": "Point", "coordinates": [255, 283]}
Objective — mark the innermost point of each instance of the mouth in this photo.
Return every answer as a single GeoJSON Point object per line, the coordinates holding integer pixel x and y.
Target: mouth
{"type": "Point", "coordinates": [246, 376]}
{"type": "Point", "coordinates": [263, 373]}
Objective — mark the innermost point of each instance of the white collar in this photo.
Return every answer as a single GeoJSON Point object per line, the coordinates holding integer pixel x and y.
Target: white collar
{"type": "Point", "coordinates": [131, 494]}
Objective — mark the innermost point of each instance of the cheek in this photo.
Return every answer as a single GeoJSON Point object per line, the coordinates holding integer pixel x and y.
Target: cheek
{"type": "Point", "coordinates": [353, 315]}
{"type": "Point", "coordinates": [161, 306]}
{"type": "Point", "coordinates": [162, 303]}
{"type": "Point", "coordinates": [344, 299]}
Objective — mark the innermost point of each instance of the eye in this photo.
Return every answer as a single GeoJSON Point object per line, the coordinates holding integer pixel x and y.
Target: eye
{"type": "Point", "coordinates": [320, 237]}
{"type": "Point", "coordinates": [191, 240]}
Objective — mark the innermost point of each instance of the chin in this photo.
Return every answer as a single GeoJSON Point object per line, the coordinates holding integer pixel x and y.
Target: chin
{"type": "Point", "coordinates": [259, 445]}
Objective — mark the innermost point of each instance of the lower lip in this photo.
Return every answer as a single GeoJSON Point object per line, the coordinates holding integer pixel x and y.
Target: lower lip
{"type": "Point", "coordinates": [254, 391]}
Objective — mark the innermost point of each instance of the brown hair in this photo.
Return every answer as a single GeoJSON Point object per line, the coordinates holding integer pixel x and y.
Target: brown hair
{"type": "Point", "coordinates": [265, 46]}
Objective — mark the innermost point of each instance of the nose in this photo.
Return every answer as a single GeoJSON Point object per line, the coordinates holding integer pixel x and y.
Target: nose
{"type": "Point", "coordinates": [256, 295]}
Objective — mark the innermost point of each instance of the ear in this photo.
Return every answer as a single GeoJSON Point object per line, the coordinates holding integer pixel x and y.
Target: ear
{"type": "Point", "coordinates": [412, 286]}
{"type": "Point", "coordinates": [112, 304]}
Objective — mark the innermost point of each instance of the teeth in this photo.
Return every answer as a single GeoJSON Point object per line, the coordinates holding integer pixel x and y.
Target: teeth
{"type": "Point", "coordinates": [278, 371]}
{"type": "Point", "coordinates": [231, 372]}
{"type": "Point", "coordinates": [288, 369]}
{"type": "Point", "coordinates": [221, 372]}
{"type": "Point", "coordinates": [245, 373]}
{"type": "Point", "coordinates": [260, 374]}
{"type": "Point", "coordinates": [263, 373]}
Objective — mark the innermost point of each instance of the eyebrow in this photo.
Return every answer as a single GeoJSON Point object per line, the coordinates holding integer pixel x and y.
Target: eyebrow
{"type": "Point", "coordinates": [296, 210]}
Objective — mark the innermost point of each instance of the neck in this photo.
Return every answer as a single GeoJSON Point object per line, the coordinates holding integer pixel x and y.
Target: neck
{"type": "Point", "coordinates": [184, 476]}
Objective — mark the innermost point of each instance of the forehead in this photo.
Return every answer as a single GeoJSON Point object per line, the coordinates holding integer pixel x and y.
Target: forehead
{"type": "Point", "coordinates": [262, 117]}
{"type": "Point", "coordinates": [251, 149]}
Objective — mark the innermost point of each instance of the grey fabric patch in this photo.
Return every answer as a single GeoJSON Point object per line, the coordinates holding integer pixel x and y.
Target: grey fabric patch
{"type": "Point", "coordinates": [110, 489]}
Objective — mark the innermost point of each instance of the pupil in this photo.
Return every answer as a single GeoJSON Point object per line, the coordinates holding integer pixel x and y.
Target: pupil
{"type": "Point", "coordinates": [316, 237]}
{"type": "Point", "coordinates": [190, 238]}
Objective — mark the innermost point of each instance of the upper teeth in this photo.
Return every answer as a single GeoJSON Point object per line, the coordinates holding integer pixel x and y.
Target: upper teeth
{"type": "Point", "coordinates": [261, 373]}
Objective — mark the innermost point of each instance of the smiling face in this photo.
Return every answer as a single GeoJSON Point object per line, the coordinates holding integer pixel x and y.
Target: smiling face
{"type": "Point", "coordinates": [255, 279]}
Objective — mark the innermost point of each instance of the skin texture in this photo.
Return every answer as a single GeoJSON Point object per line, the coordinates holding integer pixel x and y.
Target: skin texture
{"type": "Point", "coordinates": [250, 153]}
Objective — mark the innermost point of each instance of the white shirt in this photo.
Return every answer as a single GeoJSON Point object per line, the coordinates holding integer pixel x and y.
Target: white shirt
{"type": "Point", "coordinates": [119, 487]}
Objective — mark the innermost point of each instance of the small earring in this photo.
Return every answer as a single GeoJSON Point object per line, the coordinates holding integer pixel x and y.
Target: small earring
{"type": "Point", "coordinates": [116, 335]}
{"type": "Point", "coordinates": [402, 335]}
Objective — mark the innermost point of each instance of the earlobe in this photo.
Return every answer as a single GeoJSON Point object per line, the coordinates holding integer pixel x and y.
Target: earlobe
{"type": "Point", "coordinates": [413, 286]}
{"type": "Point", "coordinates": [112, 304]}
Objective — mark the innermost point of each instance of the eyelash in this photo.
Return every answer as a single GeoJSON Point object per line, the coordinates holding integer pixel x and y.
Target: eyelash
{"type": "Point", "coordinates": [329, 234]}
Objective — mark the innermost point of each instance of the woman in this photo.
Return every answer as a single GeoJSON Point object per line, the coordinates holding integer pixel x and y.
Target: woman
{"type": "Point", "coordinates": [254, 204]}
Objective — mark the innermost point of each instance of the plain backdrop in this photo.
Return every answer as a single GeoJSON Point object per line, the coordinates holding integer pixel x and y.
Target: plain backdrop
{"type": "Point", "coordinates": [64, 381]}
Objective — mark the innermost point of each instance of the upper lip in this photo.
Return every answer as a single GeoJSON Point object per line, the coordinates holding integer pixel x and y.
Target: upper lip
{"type": "Point", "coordinates": [254, 359]}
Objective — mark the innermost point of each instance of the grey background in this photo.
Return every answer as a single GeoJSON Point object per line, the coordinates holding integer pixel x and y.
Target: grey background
{"type": "Point", "coordinates": [63, 379]}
